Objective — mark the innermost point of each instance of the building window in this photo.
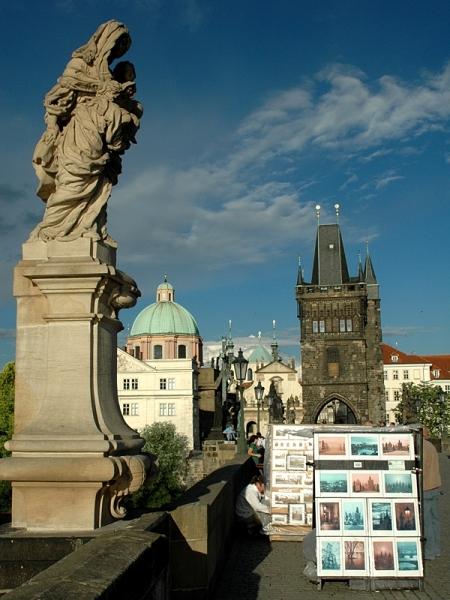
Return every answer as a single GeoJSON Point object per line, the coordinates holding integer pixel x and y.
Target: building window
{"type": "Point", "coordinates": [134, 384]}
{"type": "Point", "coordinates": [436, 373]}
{"type": "Point", "coordinates": [345, 325]}
{"type": "Point", "coordinates": [134, 409]}
{"type": "Point", "coordinates": [342, 325]}
{"type": "Point", "coordinates": [386, 395]}
{"type": "Point", "coordinates": [385, 375]}
{"type": "Point", "coordinates": [446, 388]}
{"type": "Point", "coordinates": [315, 326]}
{"type": "Point", "coordinates": [163, 384]}
{"type": "Point", "coordinates": [171, 409]}
{"type": "Point", "coordinates": [394, 358]}
{"type": "Point", "coordinates": [406, 374]}
{"type": "Point", "coordinates": [157, 351]}
{"type": "Point", "coordinates": [333, 361]}
{"type": "Point", "coordinates": [163, 409]}
{"type": "Point", "coordinates": [126, 409]}
{"type": "Point", "coordinates": [171, 383]}
{"type": "Point", "coordinates": [250, 375]}
{"type": "Point", "coordinates": [137, 352]}
{"type": "Point", "coordinates": [349, 325]}
{"type": "Point", "coordinates": [395, 374]}
{"type": "Point", "coordinates": [322, 326]}
{"type": "Point", "coordinates": [182, 351]}
{"type": "Point", "coordinates": [396, 395]}
{"type": "Point", "coordinates": [126, 384]}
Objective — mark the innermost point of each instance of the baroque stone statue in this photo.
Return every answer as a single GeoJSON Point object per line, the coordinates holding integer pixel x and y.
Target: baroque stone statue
{"type": "Point", "coordinates": [91, 119]}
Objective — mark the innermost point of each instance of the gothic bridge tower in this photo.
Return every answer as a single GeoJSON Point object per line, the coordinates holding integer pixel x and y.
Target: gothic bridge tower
{"type": "Point", "coordinates": [340, 326]}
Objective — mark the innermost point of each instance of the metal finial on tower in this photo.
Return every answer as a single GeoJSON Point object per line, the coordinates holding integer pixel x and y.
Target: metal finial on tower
{"type": "Point", "coordinates": [259, 335]}
{"type": "Point", "coordinates": [273, 327]}
{"type": "Point", "coordinates": [165, 277]}
{"type": "Point", "coordinates": [318, 212]}
{"type": "Point", "coordinates": [336, 208]}
{"type": "Point", "coordinates": [229, 329]}
{"type": "Point", "coordinates": [274, 344]}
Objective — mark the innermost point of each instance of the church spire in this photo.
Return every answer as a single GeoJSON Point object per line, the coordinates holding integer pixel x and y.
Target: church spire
{"type": "Point", "coordinates": [299, 272]}
{"type": "Point", "coordinates": [274, 344]}
{"type": "Point", "coordinates": [369, 273]}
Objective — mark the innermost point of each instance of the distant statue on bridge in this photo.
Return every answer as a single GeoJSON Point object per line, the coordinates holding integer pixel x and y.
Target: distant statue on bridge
{"type": "Point", "coordinates": [91, 120]}
{"type": "Point", "coordinates": [276, 408]}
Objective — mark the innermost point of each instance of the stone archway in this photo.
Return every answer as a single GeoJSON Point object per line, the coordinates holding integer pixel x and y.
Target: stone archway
{"type": "Point", "coordinates": [250, 428]}
{"type": "Point", "coordinates": [336, 411]}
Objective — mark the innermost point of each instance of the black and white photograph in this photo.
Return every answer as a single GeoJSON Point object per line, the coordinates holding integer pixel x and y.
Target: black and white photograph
{"type": "Point", "coordinates": [296, 462]}
{"type": "Point", "coordinates": [281, 519]}
{"type": "Point", "coordinates": [354, 516]}
{"type": "Point", "coordinates": [329, 556]}
{"type": "Point", "coordinates": [287, 478]}
{"type": "Point", "coordinates": [381, 518]}
{"type": "Point", "coordinates": [279, 459]}
{"type": "Point", "coordinates": [282, 498]}
{"type": "Point", "coordinates": [332, 483]}
{"type": "Point", "coordinates": [297, 514]}
{"type": "Point", "coordinates": [364, 445]}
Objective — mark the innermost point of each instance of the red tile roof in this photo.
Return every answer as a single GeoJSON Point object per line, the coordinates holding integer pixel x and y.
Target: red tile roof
{"type": "Point", "coordinates": [440, 362]}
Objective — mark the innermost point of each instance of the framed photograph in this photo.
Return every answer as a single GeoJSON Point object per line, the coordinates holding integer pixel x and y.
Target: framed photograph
{"type": "Point", "coordinates": [332, 483]}
{"type": "Point", "coordinates": [296, 514]}
{"type": "Point", "coordinates": [356, 556]}
{"type": "Point", "coordinates": [397, 445]}
{"type": "Point", "coordinates": [329, 556]}
{"type": "Point", "coordinates": [282, 498]}
{"type": "Point", "coordinates": [296, 462]}
{"type": "Point", "coordinates": [279, 459]}
{"type": "Point", "coordinates": [383, 557]}
{"type": "Point", "coordinates": [406, 518]}
{"type": "Point", "coordinates": [280, 519]}
{"type": "Point", "coordinates": [381, 521]}
{"type": "Point", "coordinates": [400, 484]}
{"type": "Point", "coordinates": [409, 557]}
{"type": "Point", "coordinates": [365, 483]}
{"type": "Point", "coordinates": [354, 517]}
{"type": "Point", "coordinates": [287, 479]}
{"type": "Point", "coordinates": [279, 431]}
{"type": "Point", "coordinates": [328, 518]}
{"type": "Point", "coordinates": [364, 444]}
{"type": "Point", "coordinates": [307, 495]}
{"type": "Point", "coordinates": [330, 446]}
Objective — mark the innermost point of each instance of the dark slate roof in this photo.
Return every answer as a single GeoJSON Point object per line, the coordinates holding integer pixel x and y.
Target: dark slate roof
{"type": "Point", "coordinates": [330, 265]}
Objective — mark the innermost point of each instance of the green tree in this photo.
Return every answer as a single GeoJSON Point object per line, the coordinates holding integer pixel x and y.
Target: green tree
{"type": "Point", "coordinates": [426, 404]}
{"type": "Point", "coordinates": [7, 379]}
{"type": "Point", "coordinates": [171, 450]}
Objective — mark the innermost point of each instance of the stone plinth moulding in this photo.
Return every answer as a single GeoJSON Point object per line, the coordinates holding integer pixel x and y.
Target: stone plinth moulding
{"type": "Point", "coordinates": [74, 459]}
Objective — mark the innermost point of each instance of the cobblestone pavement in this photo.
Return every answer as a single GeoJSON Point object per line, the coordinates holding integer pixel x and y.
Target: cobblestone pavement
{"type": "Point", "coordinates": [260, 570]}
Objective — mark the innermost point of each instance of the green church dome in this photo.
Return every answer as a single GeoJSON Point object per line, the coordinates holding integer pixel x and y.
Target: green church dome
{"type": "Point", "coordinates": [260, 355]}
{"type": "Point", "coordinates": [164, 316]}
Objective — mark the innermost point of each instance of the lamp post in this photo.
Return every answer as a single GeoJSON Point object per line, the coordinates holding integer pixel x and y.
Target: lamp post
{"type": "Point", "coordinates": [240, 365]}
{"type": "Point", "coordinates": [259, 395]}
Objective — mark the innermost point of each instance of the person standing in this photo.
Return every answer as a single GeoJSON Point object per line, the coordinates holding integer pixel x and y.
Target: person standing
{"type": "Point", "coordinates": [431, 491]}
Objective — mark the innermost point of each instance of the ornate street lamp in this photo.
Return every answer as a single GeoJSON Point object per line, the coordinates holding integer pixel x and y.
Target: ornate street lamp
{"type": "Point", "coordinates": [240, 364]}
{"type": "Point", "coordinates": [259, 395]}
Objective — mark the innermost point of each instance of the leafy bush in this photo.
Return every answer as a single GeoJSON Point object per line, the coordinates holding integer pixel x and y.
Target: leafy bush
{"type": "Point", "coordinates": [7, 380]}
{"type": "Point", "coordinates": [425, 404]}
{"type": "Point", "coordinates": [171, 451]}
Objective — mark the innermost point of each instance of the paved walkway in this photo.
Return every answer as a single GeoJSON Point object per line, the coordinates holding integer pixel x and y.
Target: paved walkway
{"type": "Point", "coordinates": [260, 570]}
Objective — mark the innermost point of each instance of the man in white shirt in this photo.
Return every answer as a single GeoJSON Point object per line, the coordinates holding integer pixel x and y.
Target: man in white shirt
{"type": "Point", "coordinates": [251, 508]}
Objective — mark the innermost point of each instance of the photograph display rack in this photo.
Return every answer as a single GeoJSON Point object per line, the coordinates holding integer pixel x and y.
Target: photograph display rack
{"type": "Point", "coordinates": [367, 506]}
{"type": "Point", "coordinates": [289, 475]}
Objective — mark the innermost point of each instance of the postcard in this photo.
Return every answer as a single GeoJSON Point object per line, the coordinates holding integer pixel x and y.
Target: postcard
{"type": "Point", "coordinates": [364, 444]}
{"type": "Point", "coordinates": [329, 518]}
{"type": "Point", "coordinates": [330, 446]}
{"type": "Point", "coordinates": [380, 517]}
{"type": "Point", "coordinates": [332, 483]}
{"type": "Point", "coordinates": [400, 484]}
{"type": "Point", "coordinates": [286, 478]}
{"type": "Point", "coordinates": [356, 558]}
{"type": "Point", "coordinates": [280, 519]}
{"type": "Point", "coordinates": [329, 556]}
{"type": "Point", "coordinates": [281, 498]}
{"type": "Point", "coordinates": [296, 462]}
{"type": "Point", "coordinates": [383, 557]}
{"type": "Point", "coordinates": [409, 557]}
{"type": "Point", "coordinates": [406, 521]}
{"type": "Point", "coordinates": [397, 445]}
{"type": "Point", "coordinates": [354, 516]}
{"type": "Point", "coordinates": [365, 483]}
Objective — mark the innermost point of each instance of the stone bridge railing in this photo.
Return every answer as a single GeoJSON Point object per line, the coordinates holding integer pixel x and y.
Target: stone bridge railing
{"type": "Point", "coordinates": [160, 556]}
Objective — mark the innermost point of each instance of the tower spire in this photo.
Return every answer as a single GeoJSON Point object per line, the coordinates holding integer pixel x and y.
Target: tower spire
{"type": "Point", "coordinates": [369, 273]}
{"type": "Point", "coordinates": [274, 344]}
{"type": "Point", "coordinates": [299, 272]}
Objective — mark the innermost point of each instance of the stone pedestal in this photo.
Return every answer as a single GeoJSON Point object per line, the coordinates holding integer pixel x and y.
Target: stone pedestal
{"type": "Point", "coordinates": [74, 458]}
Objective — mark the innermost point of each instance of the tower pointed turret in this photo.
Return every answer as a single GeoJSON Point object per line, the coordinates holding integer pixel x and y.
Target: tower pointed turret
{"type": "Point", "coordinates": [274, 344]}
{"type": "Point", "coordinates": [299, 272]}
{"type": "Point", "coordinates": [369, 273]}
{"type": "Point", "coordinates": [361, 276]}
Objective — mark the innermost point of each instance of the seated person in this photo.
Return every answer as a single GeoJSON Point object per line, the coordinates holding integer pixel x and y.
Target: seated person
{"type": "Point", "coordinates": [251, 510]}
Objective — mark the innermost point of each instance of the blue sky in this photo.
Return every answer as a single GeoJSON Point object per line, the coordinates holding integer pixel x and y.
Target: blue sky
{"type": "Point", "coordinates": [255, 111]}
